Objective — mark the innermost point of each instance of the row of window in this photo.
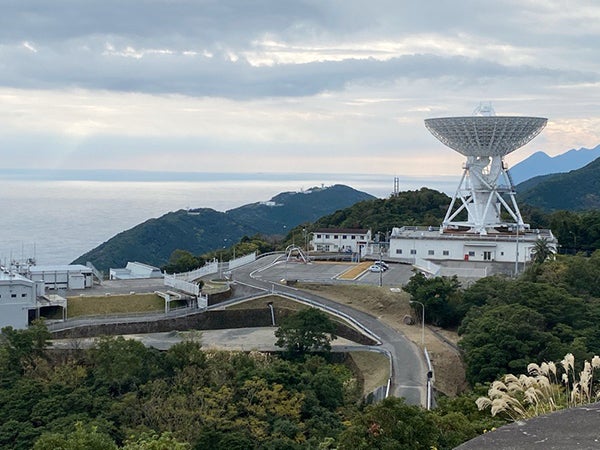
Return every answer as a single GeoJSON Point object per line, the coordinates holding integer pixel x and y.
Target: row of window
{"type": "Point", "coordinates": [15, 295]}
{"type": "Point", "coordinates": [486, 255]}
{"type": "Point", "coordinates": [335, 236]}
{"type": "Point", "coordinates": [429, 252]}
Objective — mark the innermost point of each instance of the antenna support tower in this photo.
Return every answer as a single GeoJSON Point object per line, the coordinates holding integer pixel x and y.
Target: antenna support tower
{"type": "Point", "coordinates": [486, 188]}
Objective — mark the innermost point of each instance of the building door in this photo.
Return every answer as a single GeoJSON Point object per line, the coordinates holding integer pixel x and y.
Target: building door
{"type": "Point", "coordinates": [487, 256]}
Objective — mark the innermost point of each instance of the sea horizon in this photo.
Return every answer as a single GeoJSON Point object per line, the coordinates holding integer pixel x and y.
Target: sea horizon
{"type": "Point", "coordinates": [57, 216]}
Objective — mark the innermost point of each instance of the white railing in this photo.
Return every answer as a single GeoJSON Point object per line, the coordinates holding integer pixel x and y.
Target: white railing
{"type": "Point", "coordinates": [247, 259]}
{"type": "Point", "coordinates": [182, 285]}
{"type": "Point", "coordinates": [427, 266]}
{"type": "Point", "coordinates": [207, 269]}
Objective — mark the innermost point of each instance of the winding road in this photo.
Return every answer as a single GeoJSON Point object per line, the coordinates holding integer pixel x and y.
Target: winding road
{"type": "Point", "coordinates": [409, 372]}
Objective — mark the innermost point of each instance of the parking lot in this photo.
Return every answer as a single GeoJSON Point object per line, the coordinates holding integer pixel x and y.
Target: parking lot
{"type": "Point", "coordinates": [328, 272]}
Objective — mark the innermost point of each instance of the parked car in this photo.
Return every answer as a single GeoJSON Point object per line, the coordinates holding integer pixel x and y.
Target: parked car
{"type": "Point", "coordinates": [382, 264]}
{"type": "Point", "coordinates": [376, 268]}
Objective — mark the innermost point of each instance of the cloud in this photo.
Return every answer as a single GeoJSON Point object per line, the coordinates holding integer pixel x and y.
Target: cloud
{"type": "Point", "coordinates": [168, 83]}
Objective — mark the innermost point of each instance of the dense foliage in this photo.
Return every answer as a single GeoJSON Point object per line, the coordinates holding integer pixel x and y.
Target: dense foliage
{"type": "Point", "coordinates": [309, 329]}
{"type": "Point", "coordinates": [551, 310]}
{"type": "Point", "coordinates": [422, 207]}
{"type": "Point", "coordinates": [122, 395]}
{"type": "Point", "coordinates": [119, 391]}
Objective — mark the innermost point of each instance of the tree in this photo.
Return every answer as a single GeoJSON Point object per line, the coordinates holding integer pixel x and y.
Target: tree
{"type": "Point", "coordinates": [441, 297]}
{"type": "Point", "coordinates": [541, 251]}
{"type": "Point", "coordinates": [20, 348]}
{"type": "Point", "coordinates": [164, 441]}
{"type": "Point", "coordinates": [308, 329]}
{"type": "Point", "coordinates": [391, 424]}
{"type": "Point", "coordinates": [500, 338]}
{"type": "Point", "coordinates": [84, 437]}
{"type": "Point", "coordinates": [182, 261]}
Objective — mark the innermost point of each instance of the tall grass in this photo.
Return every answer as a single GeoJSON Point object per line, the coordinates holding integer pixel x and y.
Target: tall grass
{"type": "Point", "coordinates": [547, 387]}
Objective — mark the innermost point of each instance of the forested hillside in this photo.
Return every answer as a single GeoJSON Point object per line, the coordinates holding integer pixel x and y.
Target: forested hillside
{"type": "Point", "coordinates": [122, 395]}
{"type": "Point", "coordinates": [422, 207]}
{"type": "Point", "coordinates": [577, 190]}
{"type": "Point", "coordinates": [202, 230]}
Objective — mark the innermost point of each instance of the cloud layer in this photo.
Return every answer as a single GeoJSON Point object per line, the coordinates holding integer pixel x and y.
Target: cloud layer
{"type": "Point", "coordinates": [276, 85]}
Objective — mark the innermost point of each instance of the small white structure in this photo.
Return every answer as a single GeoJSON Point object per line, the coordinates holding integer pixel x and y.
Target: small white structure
{"type": "Point", "coordinates": [72, 276]}
{"type": "Point", "coordinates": [17, 298]}
{"type": "Point", "coordinates": [341, 240]}
{"type": "Point", "coordinates": [135, 270]}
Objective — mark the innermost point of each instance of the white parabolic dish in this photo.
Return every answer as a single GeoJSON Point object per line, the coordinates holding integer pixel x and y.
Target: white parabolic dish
{"type": "Point", "coordinates": [485, 135]}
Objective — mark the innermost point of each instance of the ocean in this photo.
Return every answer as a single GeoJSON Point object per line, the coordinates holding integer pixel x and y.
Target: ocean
{"type": "Point", "coordinates": [56, 217]}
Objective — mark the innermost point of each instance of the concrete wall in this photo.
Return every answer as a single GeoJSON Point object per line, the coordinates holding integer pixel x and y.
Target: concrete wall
{"type": "Point", "coordinates": [210, 320]}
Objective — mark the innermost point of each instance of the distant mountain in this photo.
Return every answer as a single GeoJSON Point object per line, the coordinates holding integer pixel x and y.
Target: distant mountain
{"type": "Point", "coordinates": [541, 164]}
{"type": "Point", "coordinates": [576, 190]}
{"type": "Point", "coordinates": [203, 230]}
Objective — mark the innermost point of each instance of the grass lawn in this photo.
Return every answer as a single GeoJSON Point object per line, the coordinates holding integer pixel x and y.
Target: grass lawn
{"type": "Point", "coordinates": [113, 304]}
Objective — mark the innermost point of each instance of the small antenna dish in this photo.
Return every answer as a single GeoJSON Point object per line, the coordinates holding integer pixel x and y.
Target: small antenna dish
{"type": "Point", "coordinates": [484, 109]}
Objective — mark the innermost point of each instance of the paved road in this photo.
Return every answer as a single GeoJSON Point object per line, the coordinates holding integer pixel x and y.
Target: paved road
{"type": "Point", "coordinates": [408, 367]}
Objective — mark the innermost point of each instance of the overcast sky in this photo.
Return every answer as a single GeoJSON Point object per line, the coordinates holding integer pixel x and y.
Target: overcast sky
{"type": "Point", "coordinates": [286, 86]}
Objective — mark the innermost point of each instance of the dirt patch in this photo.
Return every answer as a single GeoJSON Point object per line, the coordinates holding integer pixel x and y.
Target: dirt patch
{"type": "Point", "coordinates": [374, 367]}
{"type": "Point", "coordinates": [392, 308]}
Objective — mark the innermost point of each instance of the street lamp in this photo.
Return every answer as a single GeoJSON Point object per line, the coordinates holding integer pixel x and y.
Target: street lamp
{"type": "Point", "coordinates": [422, 321]}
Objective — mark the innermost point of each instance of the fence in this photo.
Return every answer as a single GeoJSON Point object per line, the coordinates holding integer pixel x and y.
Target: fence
{"type": "Point", "coordinates": [214, 266]}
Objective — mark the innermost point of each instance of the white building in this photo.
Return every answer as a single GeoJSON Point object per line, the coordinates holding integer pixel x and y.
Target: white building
{"type": "Point", "coordinates": [135, 270]}
{"type": "Point", "coordinates": [72, 276]}
{"type": "Point", "coordinates": [341, 240]}
{"type": "Point", "coordinates": [17, 299]}
{"type": "Point", "coordinates": [409, 244]}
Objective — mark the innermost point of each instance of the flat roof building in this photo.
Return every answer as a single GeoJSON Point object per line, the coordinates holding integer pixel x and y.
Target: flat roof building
{"type": "Point", "coordinates": [17, 299]}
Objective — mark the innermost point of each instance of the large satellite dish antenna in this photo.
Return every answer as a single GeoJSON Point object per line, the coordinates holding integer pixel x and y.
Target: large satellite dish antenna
{"type": "Point", "coordinates": [485, 189]}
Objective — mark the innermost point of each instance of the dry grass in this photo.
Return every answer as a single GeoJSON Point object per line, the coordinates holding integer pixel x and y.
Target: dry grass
{"type": "Point", "coordinates": [113, 304]}
{"type": "Point", "coordinates": [391, 308]}
{"type": "Point", "coordinates": [375, 368]}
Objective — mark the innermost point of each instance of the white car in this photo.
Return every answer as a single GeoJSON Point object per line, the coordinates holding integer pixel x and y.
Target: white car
{"type": "Point", "coordinates": [382, 264]}
{"type": "Point", "coordinates": [376, 268]}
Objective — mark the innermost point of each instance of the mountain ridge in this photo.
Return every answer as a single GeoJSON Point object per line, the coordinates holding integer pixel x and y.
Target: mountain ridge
{"type": "Point", "coordinates": [577, 190]}
{"type": "Point", "coordinates": [540, 163]}
{"type": "Point", "coordinates": [201, 230]}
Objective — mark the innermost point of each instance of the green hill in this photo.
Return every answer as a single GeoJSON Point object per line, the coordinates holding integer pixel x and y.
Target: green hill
{"type": "Point", "coordinates": [421, 207]}
{"type": "Point", "coordinates": [577, 190]}
{"type": "Point", "coordinates": [203, 230]}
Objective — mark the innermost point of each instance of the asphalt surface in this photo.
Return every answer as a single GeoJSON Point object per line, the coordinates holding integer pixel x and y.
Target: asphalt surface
{"type": "Point", "coordinates": [574, 428]}
{"type": "Point", "coordinates": [408, 366]}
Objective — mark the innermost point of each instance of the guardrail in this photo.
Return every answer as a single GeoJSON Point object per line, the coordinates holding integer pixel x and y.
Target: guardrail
{"type": "Point", "coordinates": [148, 316]}
{"type": "Point", "coordinates": [429, 400]}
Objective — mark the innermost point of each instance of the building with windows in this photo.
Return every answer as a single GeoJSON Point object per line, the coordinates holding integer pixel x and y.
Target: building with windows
{"type": "Point", "coordinates": [63, 277]}
{"type": "Point", "coordinates": [17, 299]}
{"type": "Point", "coordinates": [341, 240]}
{"type": "Point", "coordinates": [407, 244]}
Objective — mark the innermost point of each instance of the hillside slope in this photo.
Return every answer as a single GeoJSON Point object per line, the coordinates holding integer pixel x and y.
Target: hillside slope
{"type": "Point", "coordinates": [577, 190]}
{"type": "Point", "coordinates": [203, 230]}
{"type": "Point", "coordinates": [422, 207]}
